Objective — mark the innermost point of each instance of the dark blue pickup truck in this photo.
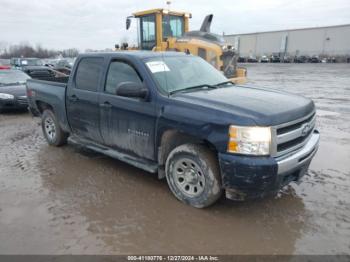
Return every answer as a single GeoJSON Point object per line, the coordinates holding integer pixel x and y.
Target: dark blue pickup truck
{"type": "Point", "coordinates": [176, 115]}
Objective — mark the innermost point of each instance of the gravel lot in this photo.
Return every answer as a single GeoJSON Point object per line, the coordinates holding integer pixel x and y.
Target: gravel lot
{"type": "Point", "coordinates": [71, 201]}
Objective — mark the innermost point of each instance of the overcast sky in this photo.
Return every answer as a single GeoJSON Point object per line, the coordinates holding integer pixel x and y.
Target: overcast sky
{"type": "Point", "coordinates": [99, 24]}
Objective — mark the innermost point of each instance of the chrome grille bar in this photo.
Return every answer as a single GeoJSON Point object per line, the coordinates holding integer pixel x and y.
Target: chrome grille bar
{"type": "Point", "coordinates": [293, 135]}
{"type": "Point", "coordinates": [285, 137]}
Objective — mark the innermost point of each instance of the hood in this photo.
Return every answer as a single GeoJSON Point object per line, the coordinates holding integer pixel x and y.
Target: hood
{"type": "Point", "coordinates": [16, 90]}
{"type": "Point", "coordinates": [266, 107]}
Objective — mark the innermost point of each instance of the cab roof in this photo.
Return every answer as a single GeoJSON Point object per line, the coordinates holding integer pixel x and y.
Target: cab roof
{"type": "Point", "coordinates": [137, 54]}
{"type": "Point", "coordinates": [160, 10]}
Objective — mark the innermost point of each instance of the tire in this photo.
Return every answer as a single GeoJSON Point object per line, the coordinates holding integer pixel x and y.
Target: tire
{"type": "Point", "coordinates": [193, 175]}
{"type": "Point", "coordinates": [53, 133]}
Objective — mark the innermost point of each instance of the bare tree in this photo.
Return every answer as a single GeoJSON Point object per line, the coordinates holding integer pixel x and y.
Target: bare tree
{"type": "Point", "coordinates": [24, 49]}
{"type": "Point", "coordinates": [71, 52]}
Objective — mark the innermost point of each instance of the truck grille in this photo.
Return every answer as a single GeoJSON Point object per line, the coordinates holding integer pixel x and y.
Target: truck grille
{"type": "Point", "coordinates": [291, 136]}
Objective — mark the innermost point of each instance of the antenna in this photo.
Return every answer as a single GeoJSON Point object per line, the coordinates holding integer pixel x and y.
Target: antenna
{"type": "Point", "coordinates": [168, 4]}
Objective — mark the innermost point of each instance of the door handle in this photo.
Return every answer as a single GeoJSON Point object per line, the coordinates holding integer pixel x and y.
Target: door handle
{"type": "Point", "coordinates": [106, 105]}
{"type": "Point", "coordinates": [74, 98]}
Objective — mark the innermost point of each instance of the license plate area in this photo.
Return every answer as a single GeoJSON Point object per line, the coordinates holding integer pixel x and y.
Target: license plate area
{"type": "Point", "coordinates": [296, 175]}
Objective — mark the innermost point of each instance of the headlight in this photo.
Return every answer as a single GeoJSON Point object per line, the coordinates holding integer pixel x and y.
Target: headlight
{"type": "Point", "coordinates": [6, 96]}
{"type": "Point", "coordinates": [249, 140]}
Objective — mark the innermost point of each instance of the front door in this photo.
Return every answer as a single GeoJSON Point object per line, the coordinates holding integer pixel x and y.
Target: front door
{"type": "Point", "coordinates": [127, 124]}
{"type": "Point", "coordinates": [83, 99]}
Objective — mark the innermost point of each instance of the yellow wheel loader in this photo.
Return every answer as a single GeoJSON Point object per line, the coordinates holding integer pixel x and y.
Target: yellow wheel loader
{"type": "Point", "coordinates": [165, 30]}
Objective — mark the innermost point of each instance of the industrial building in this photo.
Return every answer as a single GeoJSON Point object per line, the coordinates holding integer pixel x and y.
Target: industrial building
{"type": "Point", "coordinates": [321, 41]}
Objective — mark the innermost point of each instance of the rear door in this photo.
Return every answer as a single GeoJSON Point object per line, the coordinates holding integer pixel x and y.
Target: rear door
{"type": "Point", "coordinates": [127, 124]}
{"type": "Point", "coordinates": [83, 99]}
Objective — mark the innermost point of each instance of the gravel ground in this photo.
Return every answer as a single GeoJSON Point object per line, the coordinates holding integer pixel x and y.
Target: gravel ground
{"type": "Point", "coordinates": [71, 201]}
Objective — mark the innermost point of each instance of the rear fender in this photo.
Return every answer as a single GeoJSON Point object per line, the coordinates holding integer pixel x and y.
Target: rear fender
{"type": "Point", "coordinates": [60, 116]}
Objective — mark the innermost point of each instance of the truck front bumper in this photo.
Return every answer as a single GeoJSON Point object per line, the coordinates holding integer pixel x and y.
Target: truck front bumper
{"type": "Point", "coordinates": [248, 177]}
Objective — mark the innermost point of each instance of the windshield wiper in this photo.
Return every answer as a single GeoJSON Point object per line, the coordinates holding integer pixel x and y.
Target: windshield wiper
{"type": "Point", "coordinates": [193, 88]}
{"type": "Point", "coordinates": [224, 83]}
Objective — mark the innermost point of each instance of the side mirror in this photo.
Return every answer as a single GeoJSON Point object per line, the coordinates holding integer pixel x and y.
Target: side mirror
{"type": "Point", "coordinates": [128, 22]}
{"type": "Point", "coordinates": [132, 89]}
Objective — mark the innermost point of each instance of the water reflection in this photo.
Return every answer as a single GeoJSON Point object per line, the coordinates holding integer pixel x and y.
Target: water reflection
{"type": "Point", "coordinates": [127, 210]}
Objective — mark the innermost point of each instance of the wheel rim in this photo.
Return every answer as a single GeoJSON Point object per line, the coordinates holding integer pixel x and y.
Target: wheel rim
{"type": "Point", "coordinates": [50, 128]}
{"type": "Point", "coordinates": [189, 177]}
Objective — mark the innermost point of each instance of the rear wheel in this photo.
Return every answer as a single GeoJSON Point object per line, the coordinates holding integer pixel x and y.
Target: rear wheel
{"type": "Point", "coordinates": [53, 133]}
{"type": "Point", "coordinates": [193, 175]}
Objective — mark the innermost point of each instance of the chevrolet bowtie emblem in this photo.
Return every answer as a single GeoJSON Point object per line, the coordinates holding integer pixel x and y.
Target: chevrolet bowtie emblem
{"type": "Point", "coordinates": [305, 129]}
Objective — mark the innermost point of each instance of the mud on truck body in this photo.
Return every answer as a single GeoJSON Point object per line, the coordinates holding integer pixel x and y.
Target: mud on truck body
{"type": "Point", "coordinates": [176, 115]}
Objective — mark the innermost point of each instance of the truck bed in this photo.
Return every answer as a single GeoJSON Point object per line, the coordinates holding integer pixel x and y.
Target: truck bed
{"type": "Point", "coordinates": [51, 91]}
{"type": "Point", "coordinates": [55, 79]}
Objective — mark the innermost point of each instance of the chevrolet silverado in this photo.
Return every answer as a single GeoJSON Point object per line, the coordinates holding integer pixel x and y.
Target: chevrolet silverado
{"type": "Point", "coordinates": [176, 115]}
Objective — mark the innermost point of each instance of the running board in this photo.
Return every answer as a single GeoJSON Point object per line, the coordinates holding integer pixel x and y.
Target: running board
{"type": "Point", "coordinates": [146, 165]}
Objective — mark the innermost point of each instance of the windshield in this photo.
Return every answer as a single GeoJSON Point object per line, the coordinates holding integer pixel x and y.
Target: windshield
{"type": "Point", "coordinates": [182, 72]}
{"type": "Point", "coordinates": [12, 77]}
{"type": "Point", "coordinates": [31, 62]}
{"type": "Point", "coordinates": [173, 26]}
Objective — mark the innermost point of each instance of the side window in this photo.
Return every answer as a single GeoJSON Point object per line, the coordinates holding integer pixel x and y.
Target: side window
{"type": "Point", "coordinates": [119, 72]}
{"type": "Point", "coordinates": [88, 73]}
{"type": "Point", "coordinates": [148, 32]}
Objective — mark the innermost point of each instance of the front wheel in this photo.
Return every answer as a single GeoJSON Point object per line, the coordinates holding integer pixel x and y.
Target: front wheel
{"type": "Point", "coordinates": [193, 175]}
{"type": "Point", "coordinates": [53, 133]}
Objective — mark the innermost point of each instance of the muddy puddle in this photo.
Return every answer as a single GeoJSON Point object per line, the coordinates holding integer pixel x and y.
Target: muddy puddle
{"type": "Point", "coordinates": [71, 200]}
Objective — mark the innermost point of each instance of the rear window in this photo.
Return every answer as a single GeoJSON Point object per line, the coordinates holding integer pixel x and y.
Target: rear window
{"type": "Point", "coordinates": [88, 73]}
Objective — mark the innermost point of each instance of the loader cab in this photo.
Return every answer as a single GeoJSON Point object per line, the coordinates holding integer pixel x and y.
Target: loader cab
{"type": "Point", "coordinates": [157, 26]}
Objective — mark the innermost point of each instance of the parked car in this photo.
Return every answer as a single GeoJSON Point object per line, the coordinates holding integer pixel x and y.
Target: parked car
{"type": "Point", "coordinates": [301, 59]}
{"type": "Point", "coordinates": [34, 67]}
{"type": "Point", "coordinates": [39, 72]}
{"type": "Point", "coordinates": [63, 63]}
{"type": "Point", "coordinates": [49, 62]}
{"type": "Point", "coordinates": [331, 60]}
{"type": "Point", "coordinates": [176, 115]}
{"type": "Point", "coordinates": [252, 59]}
{"type": "Point", "coordinates": [19, 63]}
{"type": "Point", "coordinates": [12, 90]}
{"type": "Point", "coordinates": [275, 59]}
{"type": "Point", "coordinates": [63, 66]}
{"type": "Point", "coordinates": [241, 59]}
{"type": "Point", "coordinates": [264, 59]}
{"type": "Point", "coordinates": [4, 62]}
{"type": "Point", "coordinates": [314, 59]}
{"type": "Point", "coordinates": [287, 59]}
{"type": "Point", "coordinates": [59, 65]}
